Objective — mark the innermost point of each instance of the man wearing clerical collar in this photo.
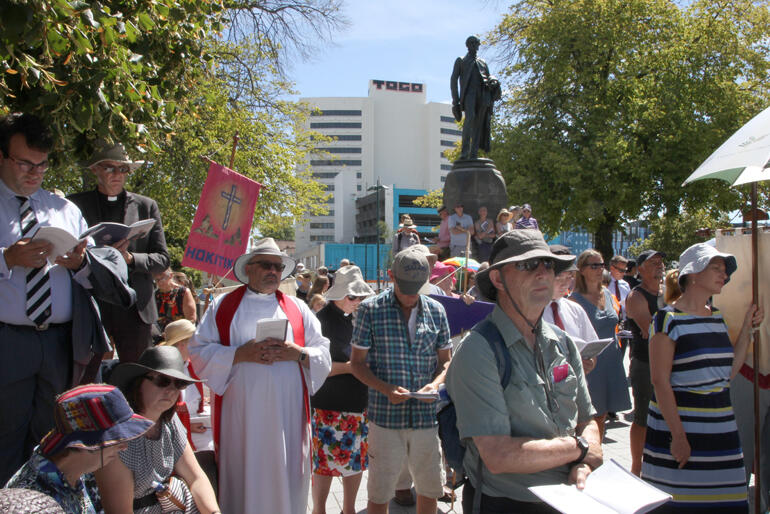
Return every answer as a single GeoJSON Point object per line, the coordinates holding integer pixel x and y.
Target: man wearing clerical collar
{"type": "Point", "coordinates": [263, 386]}
{"type": "Point", "coordinates": [146, 256]}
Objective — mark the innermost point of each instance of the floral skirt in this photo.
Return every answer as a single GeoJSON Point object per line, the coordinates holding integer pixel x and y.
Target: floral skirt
{"type": "Point", "coordinates": [339, 443]}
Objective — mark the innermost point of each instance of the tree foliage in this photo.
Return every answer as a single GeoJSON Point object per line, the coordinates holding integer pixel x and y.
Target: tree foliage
{"type": "Point", "coordinates": [612, 104]}
{"type": "Point", "coordinates": [674, 233]}
{"type": "Point", "coordinates": [110, 69]}
{"type": "Point", "coordinates": [433, 199]}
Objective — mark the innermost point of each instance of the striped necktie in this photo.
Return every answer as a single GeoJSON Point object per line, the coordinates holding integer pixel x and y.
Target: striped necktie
{"type": "Point", "coordinates": [38, 282]}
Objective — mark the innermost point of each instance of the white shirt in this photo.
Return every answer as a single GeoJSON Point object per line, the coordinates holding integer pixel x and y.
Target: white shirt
{"type": "Point", "coordinates": [576, 321]}
{"type": "Point", "coordinates": [624, 290]}
{"type": "Point", "coordinates": [50, 210]}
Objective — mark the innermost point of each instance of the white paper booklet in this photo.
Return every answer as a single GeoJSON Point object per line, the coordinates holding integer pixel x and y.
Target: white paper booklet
{"type": "Point", "coordinates": [108, 233]}
{"type": "Point", "coordinates": [590, 349]}
{"type": "Point", "coordinates": [424, 396]}
{"type": "Point", "coordinates": [271, 328]}
{"type": "Point", "coordinates": [610, 489]}
{"type": "Point", "coordinates": [61, 240]}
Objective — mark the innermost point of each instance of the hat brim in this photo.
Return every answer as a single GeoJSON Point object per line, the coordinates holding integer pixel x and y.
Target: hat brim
{"type": "Point", "coordinates": [731, 264]}
{"type": "Point", "coordinates": [562, 263]}
{"type": "Point", "coordinates": [126, 430]}
{"type": "Point", "coordinates": [356, 288]}
{"type": "Point", "coordinates": [132, 165]}
{"type": "Point", "coordinates": [123, 374]}
{"type": "Point", "coordinates": [239, 268]}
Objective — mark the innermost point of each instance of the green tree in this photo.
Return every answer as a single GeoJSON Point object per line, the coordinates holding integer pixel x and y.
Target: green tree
{"type": "Point", "coordinates": [110, 69]}
{"type": "Point", "coordinates": [674, 233]}
{"type": "Point", "coordinates": [613, 103]}
{"type": "Point", "coordinates": [434, 199]}
{"type": "Point", "coordinates": [285, 233]}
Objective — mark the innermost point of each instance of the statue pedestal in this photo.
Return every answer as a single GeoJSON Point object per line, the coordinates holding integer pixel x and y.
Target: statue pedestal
{"type": "Point", "coordinates": [475, 183]}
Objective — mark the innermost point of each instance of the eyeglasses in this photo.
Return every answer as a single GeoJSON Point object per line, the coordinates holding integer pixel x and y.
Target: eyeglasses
{"type": "Point", "coordinates": [622, 270]}
{"type": "Point", "coordinates": [594, 265]}
{"type": "Point", "coordinates": [123, 168]}
{"type": "Point", "coordinates": [267, 265]}
{"type": "Point", "coordinates": [532, 264]}
{"type": "Point", "coordinates": [354, 298]}
{"type": "Point", "coordinates": [27, 167]}
{"type": "Point", "coordinates": [162, 381]}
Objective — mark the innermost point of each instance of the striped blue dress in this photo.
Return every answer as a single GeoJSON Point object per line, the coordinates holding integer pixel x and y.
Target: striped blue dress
{"type": "Point", "coordinates": [713, 480]}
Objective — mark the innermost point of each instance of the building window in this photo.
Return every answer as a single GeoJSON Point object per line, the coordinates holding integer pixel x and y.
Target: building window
{"type": "Point", "coordinates": [450, 144]}
{"type": "Point", "coordinates": [325, 174]}
{"type": "Point", "coordinates": [335, 112]}
{"type": "Point", "coordinates": [358, 174]}
{"type": "Point", "coordinates": [442, 155]}
{"type": "Point", "coordinates": [322, 225]}
{"type": "Point", "coordinates": [338, 150]}
{"type": "Point", "coordinates": [330, 199]}
{"type": "Point", "coordinates": [443, 178]}
{"type": "Point", "coordinates": [331, 213]}
{"type": "Point", "coordinates": [322, 238]}
{"type": "Point", "coordinates": [328, 187]}
{"type": "Point", "coordinates": [446, 167]}
{"type": "Point", "coordinates": [341, 137]}
{"type": "Point", "coordinates": [358, 187]}
{"type": "Point", "coordinates": [335, 124]}
{"type": "Point", "coordinates": [452, 132]}
{"type": "Point", "coordinates": [448, 119]}
{"type": "Point", "coordinates": [339, 162]}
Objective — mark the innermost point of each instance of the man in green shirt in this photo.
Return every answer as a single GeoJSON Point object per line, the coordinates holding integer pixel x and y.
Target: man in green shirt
{"type": "Point", "coordinates": [540, 429]}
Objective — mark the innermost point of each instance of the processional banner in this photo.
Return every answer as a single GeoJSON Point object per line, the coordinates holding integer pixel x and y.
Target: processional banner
{"type": "Point", "coordinates": [223, 219]}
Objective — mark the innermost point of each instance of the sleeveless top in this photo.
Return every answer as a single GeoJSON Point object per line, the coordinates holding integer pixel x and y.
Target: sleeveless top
{"type": "Point", "coordinates": [640, 346]}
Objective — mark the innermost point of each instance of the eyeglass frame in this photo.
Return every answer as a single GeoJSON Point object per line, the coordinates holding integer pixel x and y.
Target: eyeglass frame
{"type": "Point", "coordinates": [27, 167]}
{"type": "Point", "coordinates": [593, 265]}
{"type": "Point", "coordinates": [353, 298]}
{"type": "Point", "coordinates": [123, 168]}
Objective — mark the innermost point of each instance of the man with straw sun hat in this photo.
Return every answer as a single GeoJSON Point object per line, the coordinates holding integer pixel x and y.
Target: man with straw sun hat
{"type": "Point", "coordinates": [261, 414]}
{"type": "Point", "coordinates": [178, 334]}
{"type": "Point", "coordinates": [93, 423]}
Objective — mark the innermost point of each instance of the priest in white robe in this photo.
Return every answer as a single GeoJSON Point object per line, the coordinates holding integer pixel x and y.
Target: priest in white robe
{"type": "Point", "coordinates": [264, 451]}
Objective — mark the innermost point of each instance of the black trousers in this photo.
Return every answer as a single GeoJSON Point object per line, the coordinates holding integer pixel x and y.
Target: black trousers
{"type": "Point", "coordinates": [35, 367]}
{"type": "Point", "coordinates": [499, 505]}
{"type": "Point", "coordinates": [130, 334]}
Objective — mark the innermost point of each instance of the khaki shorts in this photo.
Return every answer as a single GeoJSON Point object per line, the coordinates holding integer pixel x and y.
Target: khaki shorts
{"type": "Point", "coordinates": [389, 448]}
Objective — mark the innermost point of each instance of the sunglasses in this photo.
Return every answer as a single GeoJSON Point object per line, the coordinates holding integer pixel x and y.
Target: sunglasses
{"type": "Point", "coordinates": [532, 264]}
{"type": "Point", "coordinates": [622, 270]}
{"type": "Point", "coordinates": [162, 381]}
{"type": "Point", "coordinates": [594, 265]}
{"type": "Point", "coordinates": [354, 298]}
{"type": "Point", "coordinates": [267, 265]}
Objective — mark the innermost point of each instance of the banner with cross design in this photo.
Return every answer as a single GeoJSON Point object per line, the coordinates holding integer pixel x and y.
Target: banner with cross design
{"type": "Point", "coordinates": [223, 219]}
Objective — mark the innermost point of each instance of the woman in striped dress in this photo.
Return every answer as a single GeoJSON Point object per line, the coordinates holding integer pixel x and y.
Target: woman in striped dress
{"type": "Point", "coordinates": [692, 450]}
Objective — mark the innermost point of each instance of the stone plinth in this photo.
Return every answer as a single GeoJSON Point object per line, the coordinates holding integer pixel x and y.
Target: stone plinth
{"type": "Point", "coordinates": [475, 183]}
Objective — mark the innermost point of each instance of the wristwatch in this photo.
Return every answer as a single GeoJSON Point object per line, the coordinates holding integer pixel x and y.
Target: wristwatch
{"type": "Point", "coordinates": [302, 356]}
{"type": "Point", "coordinates": [583, 445]}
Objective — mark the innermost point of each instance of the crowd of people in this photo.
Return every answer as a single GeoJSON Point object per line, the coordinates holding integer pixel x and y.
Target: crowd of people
{"type": "Point", "coordinates": [311, 374]}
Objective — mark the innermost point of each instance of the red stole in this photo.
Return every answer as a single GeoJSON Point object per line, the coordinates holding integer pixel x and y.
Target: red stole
{"type": "Point", "coordinates": [224, 317]}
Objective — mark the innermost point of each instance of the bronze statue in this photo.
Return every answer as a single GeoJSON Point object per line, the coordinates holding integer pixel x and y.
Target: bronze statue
{"type": "Point", "coordinates": [477, 94]}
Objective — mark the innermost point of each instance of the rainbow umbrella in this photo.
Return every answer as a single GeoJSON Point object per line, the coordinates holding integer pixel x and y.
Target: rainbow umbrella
{"type": "Point", "coordinates": [460, 262]}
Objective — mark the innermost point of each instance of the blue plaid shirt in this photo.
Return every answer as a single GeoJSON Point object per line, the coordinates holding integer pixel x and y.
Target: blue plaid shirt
{"type": "Point", "coordinates": [380, 328]}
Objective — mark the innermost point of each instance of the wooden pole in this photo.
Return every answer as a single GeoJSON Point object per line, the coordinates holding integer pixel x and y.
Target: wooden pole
{"type": "Point", "coordinates": [755, 336]}
{"type": "Point", "coordinates": [213, 278]}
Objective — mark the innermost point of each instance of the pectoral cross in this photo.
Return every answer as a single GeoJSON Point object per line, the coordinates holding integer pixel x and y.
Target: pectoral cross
{"type": "Point", "coordinates": [231, 199]}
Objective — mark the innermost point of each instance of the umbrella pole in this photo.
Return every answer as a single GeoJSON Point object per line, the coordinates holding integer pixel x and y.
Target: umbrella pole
{"type": "Point", "coordinates": [755, 337]}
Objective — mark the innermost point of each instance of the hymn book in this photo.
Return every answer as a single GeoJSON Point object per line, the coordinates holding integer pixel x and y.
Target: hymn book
{"type": "Point", "coordinates": [108, 233]}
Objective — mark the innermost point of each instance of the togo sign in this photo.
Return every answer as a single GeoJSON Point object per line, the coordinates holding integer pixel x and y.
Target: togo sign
{"type": "Point", "coordinates": [392, 85]}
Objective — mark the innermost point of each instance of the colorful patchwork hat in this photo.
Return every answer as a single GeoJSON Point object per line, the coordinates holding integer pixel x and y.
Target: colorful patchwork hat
{"type": "Point", "coordinates": [90, 417]}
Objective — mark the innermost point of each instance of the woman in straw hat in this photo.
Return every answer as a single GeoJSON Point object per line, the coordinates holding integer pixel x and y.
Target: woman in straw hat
{"type": "Point", "coordinates": [93, 423]}
{"type": "Point", "coordinates": [129, 483]}
{"type": "Point", "coordinates": [339, 407]}
{"type": "Point", "coordinates": [178, 334]}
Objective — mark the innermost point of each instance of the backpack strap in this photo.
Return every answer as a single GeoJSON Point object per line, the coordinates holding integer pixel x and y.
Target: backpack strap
{"type": "Point", "coordinates": [494, 339]}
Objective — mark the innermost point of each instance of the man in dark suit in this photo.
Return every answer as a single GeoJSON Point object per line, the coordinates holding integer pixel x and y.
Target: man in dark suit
{"type": "Point", "coordinates": [130, 329]}
{"type": "Point", "coordinates": [478, 91]}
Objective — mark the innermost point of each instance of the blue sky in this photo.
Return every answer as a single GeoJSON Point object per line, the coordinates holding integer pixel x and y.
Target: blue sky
{"type": "Point", "coordinates": [402, 40]}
